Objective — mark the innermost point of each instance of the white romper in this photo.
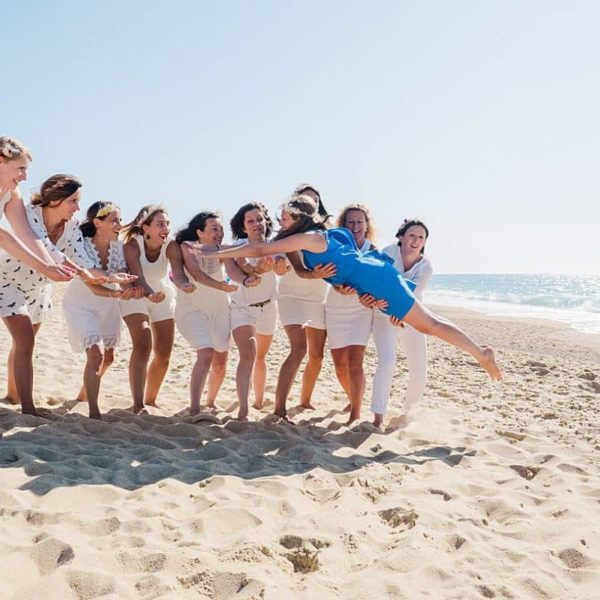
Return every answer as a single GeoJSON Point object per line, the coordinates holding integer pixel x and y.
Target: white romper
{"type": "Point", "coordinates": [348, 322]}
{"type": "Point", "coordinates": [301, 301]}
{"type": "Point", "coordinates": [255, 306]}
{"type": "Point", "coordinates": [156, 274]}
{"type": "Point", "coordinates": [92, 319]}
{"type": "Point", "coordinates": [25, 291]}
{"type": "Point", "coordinates": [202, 317]}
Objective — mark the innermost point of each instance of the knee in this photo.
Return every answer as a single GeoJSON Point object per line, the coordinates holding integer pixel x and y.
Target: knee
{"type": "Point", "coordinates": [142, 346]}
{"type": "Point", "coordinates": [162, 357]}
{"type": "Point", "coordinates": [109, 358]}
{"type": "Point", "coordinates": [355, 363]}
{"type": "Point", "coordinates": [24, 346]}
{"type": "Point", "coordinates": [297, 353]}
{"type": "Point", "coordinates": [94, 357]}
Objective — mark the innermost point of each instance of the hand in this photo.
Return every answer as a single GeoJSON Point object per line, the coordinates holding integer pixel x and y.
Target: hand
{"type": "Point", "coordinates": [264, 264]}
{"type": "Point", "coordinates": [132, 293]}
{"type": "Point", "coordinates": [186, 286]}
{"type": "Point", "coordinates": [396, 322]}
{"type": "Point", "coordinates": [282, 266]}
{"type": "Point", "coordinates": [344, 290]}
{"type": "Point", "coordinates": [324, 271]}
{"type": "Point", "coordinates": [121, 278]}
{"type": "Point", "coordinates": [228, 287]}
{"type": "Point", "coordinates": [251, 281]}
{"type": "Point", "coordinates": [93, 279]}
{"type": "Point", "coordinates": [369, 301]}
{"type": "Point", "coordinates": [156, 297]}
{"type": "Point", "coordinates": [58, 272]}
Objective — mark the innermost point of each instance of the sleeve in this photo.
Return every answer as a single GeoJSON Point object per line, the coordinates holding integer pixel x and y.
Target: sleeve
{"type": "Point", "coordinates": [422, 277]}
{"type": "Point", "coordinates": [73, 247]}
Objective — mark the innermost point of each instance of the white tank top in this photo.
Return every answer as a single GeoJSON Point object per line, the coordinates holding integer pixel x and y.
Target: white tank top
{"type": "Point", "coordinates": [311, 290]}
{"type": "Point", "coordinates": [3, 202]}
{"type": "Point", "coordinates": [155, 272]}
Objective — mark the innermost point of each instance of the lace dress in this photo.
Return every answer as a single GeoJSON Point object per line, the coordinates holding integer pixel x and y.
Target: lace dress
{"type": "Point", "coordinates": [94, 320]}
{"type": "Point", "coordinates": [25, 291]}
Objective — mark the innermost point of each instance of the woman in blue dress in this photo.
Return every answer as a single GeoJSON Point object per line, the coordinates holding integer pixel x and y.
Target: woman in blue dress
{"type": "Point", "coordinates": [370, 273]}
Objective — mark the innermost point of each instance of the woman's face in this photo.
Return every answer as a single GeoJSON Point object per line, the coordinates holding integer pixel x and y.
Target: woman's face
{"type": "Point", "coordinates": [65, 209]}
{"type": "Point", "coordinates": [414, 239]}
{"type": "Point", "coordinates": [13, 172]}
{"type": "Point", "coordinates": [158, 231]}
{"type": "Point", "coordinates": [110, 226]}
{"type": "Point", "coordinates": [254, 225]}
{"type": "Point", "coordinates": [213, 232]}
{"type": "Point", "coordinates": [356, 222]}
{"type": "Point", "coordinates": [285, 220]}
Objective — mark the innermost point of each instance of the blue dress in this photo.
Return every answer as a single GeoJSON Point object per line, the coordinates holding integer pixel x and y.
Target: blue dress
{"type": "Point", "coordinates": [370, 273]}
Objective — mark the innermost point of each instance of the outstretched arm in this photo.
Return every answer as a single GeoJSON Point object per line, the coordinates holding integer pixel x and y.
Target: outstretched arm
{"type": "Point", "coordinates": [313, 242]}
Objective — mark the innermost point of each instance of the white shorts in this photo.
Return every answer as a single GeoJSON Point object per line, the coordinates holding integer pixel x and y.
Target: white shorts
{"type": "Point", "coordinates": [262, 318]}
{"type": "Point", "coordinates": [201, 329]}
{"type": "Point", "coordinates": [348, 326]}
{"type": "Point", "coordinates": [32, 299]}
{"type": "Point", "coordinates": [295, 311]}
{"type": "Point", "coordinates": [155, 312]}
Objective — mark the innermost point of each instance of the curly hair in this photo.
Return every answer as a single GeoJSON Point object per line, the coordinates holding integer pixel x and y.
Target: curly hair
{"type": "Point", "coordinates": [341, 220]}
{"type": "Point", "coordinates": [237, 222]}
{"type": "Point", "coordinates": [188, 233]}
{"type": "Point", "coordinates": [11, 149]}
{"type": "Point", "coordinates": [304, 211]}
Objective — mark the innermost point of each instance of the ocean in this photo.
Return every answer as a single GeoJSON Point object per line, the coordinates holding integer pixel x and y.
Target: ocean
{"type": "Point", "coordinates": [571, 299]}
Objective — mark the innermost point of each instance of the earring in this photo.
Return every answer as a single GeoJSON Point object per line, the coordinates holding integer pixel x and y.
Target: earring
{"type": "Point", "coordinates": [147, 236]}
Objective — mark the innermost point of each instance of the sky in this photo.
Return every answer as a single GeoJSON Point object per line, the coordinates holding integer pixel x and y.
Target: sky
{"type": "Point", "coordinates": [480, 118]}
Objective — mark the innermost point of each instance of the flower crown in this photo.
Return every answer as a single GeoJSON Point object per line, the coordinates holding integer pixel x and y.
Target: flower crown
{"type": "Point", "coordinates": [106, 210]}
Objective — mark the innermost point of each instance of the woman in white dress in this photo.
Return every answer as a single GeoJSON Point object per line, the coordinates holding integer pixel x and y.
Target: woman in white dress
{"type": "Point", "coordinates": [27, 295]}
{"type": "Point", "coordinates": [29, 250]}
{"type": "Point", "coordinates": [202, 316]}
{"type": "Point", "coordinates": [349, 323]}
{"type": "Point", "coordinates": [253, 311]}
{"type": "Point", "coordinates": [301, 304]}
{"type": "Point", "coordinates": [92, 315]}
{"type": "Point", "coordinates": [410, 260]}
{"type": "Point", "coordinates": [151, 319]}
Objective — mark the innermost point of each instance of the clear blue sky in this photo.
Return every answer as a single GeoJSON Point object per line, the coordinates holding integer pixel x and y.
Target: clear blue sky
{"type": "Point", "coordinates": [482, 118]}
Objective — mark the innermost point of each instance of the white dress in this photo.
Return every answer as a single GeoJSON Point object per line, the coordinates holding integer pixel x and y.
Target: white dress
{"type": "Point", "coordinates": [348, 322]}
{"type": "Point", "coordinates": [94, 320]}
{"type": "Point", "coordinates": [25, 291]}
{"type": "Point", "coordinates": [255, 306]}
{"type": "Point", "coordinates": [301, 301]}
{"type": "Point", "coordinates": [156, 274]}
{"type": "Point", "coordinates": [202, 317]}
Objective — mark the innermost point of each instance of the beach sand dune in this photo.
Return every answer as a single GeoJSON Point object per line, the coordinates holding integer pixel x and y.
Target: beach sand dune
{"type": "Point", "coordinates": [493, 491]}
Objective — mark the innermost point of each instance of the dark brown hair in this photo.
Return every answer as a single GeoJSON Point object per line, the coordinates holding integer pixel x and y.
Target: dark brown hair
{"type": "Point", "coordinates": [307, 187]}
{"type": "Point", "coordinates": [237, 222]}
{"type": "Point", "coordinates": [406, 225]}
{"type": "Point", "coordinates": [55, 189]}
{"type": "Point", "coordinates": [188, 233]}
{"type": "Point", "coordinates": [88, 229]}
{"type": "Point", "coordinates": [144, 217]}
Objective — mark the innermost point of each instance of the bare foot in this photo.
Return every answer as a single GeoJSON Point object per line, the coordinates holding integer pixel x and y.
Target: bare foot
{"type": "Point", "coordinates": [151, 403]}
{"type": "Point", "coordinates": [213, 407]}
{"type": "Point", "coordinates": [138, 410]}
{"type": "Point", "coordinates": [258, 405]}
{"type": "Point", "coordinates": [352, 418]}
{"type": "Point", "coordinates": [488, 362]}
{"type": "Point", "coordinates": [348, 408]}
{"type": "Point", "coordinates": [306, 406]}
{"type": "Point", "coordinates": [95, 414]}
{"type": "Point", "coordinates": [30, 410]}
{"type": "Point", "coordinates": [242, 417]}
{"type": "Point", "coordinates": [377, 420]}
{"type": "Point", "coordinates": [9, 400]}
{"type": "Point", "coordinates": [82, 396]}
{"type": "Point", "coordinates": [194, 410]}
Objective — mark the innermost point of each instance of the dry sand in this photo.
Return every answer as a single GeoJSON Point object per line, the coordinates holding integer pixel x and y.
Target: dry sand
{"type": "Point", "coordinates": [492, 492]}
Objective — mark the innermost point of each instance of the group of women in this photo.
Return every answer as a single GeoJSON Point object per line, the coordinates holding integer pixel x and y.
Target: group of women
{"type": "Point", "coordinates": [212, 293]}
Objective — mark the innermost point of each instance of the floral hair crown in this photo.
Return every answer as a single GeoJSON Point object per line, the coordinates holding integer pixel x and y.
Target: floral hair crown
{"type": "Point", "coordinates": [106, 210]}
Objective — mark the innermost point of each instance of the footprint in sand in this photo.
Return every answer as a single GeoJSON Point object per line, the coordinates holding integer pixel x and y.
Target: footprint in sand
{"type": "Point", "coordinates": [147, 563]}
{"type": "Point", "coordinates": [525, 472]}
{"type": "Point", "coordinates": [573, 559]}
{"type": "Point", "coordinates": [90, 585]}
{"type": "Point", "coordinates": [50, 554]}
{"type": "Point", "coordinates": [398, 516]}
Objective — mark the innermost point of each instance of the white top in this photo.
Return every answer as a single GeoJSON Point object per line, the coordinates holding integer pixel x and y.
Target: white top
{"type": "Point", "coordinates": [155, 273]}
{"type": "Point", "coordinates": [311, 290]}
{"type": "Point", "coordinates": [3, 202]}
{"type": "Point", "coordinates": [265, 290]}
{"type": "Point", "coordinates": [337, 300]}
{"type": "Point", "coordinates": [420, 272]}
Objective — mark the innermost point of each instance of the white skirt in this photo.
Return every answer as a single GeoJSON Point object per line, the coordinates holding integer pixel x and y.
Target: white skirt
{"type": "Point", "coordinates": [296, 311]}
{"type": "Point", "coordinates": [348, 326]}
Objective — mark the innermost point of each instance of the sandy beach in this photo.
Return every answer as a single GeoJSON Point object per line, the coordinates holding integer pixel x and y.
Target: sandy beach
{"type": "Point", "coordinates": [492, 492]}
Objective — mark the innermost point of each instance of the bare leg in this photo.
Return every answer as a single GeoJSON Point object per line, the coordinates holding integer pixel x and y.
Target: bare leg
{"type": "Point", "coordinates": [259, 379]}
{"type": "Point", "coordinates": [356, 379]}
{"type": "Point", "coordinates": [23, 333]}
{"type": "Point", "coordinates": [289, 367]}
{"type": "Point", "coordinates": [91, 379]}
{"type": "Point", "coordinates": [340, 358]}
{"type": "Point", "coordinates": [246, 343]}
{"type": "Point", "coordinates": [198, 378]}
{"type": "Point", "coordinates": [427, 322]}
{"type": "Point", "coordinates": [109, 357]}
{"type": "Point", "coordinates": [11, 392]}
{"type": "Point", "coordinates": [316, 348]}
{"type": "Point", "coordinates": [163, 335]}
{"type": "Point", "coordinates": [218, 368]}
{"type": "Point", "coordinates": [141, 338]}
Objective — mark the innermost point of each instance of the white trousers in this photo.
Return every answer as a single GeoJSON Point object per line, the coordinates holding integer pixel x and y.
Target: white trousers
{"type": "Point", "coordinates": [414, 345]}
